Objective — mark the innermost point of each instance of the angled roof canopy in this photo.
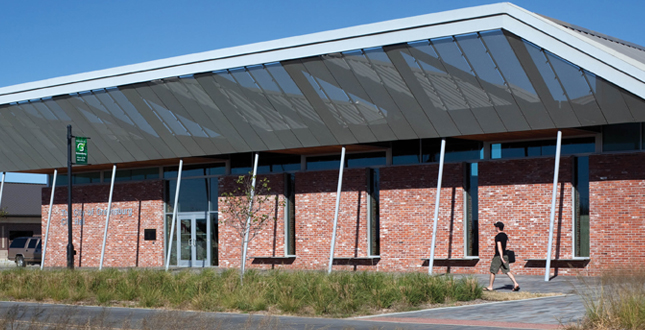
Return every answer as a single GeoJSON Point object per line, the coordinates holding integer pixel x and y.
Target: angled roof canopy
{"type": "Point", "coordinates": [489, 69]}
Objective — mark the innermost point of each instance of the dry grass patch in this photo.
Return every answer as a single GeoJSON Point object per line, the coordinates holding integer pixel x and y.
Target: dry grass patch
{"type": "Point", "coordinates": [508, 296]}
{"type": "Point", "coordinates": [614, 301]}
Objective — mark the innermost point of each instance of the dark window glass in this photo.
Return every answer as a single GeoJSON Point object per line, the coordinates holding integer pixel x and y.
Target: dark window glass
{"type": "Point", "coordinates": [40, 245]}
{"type": "Point", "coordinates": [542, 148]}
{"type": "Point", "coordinates": [364, 160]}
{"type": "Point", "coordinates": [242, 163]}
{"type": "Point", "coordinates": [277, 163]}
{"type": "Point", "coordinates": [150, 234]}
{"type": "Point", "coordinates": [471, 183]}
{"type": "Point", "coordinates": [581, 221]}
{"type": "Point", "coordinates": [406, 152]}
{"type": "Point", "coordinates": [193, 195]}
{"type": "Point", "coordinates": [194, 170]}
{"type": "Point", "coordinates": [621, 137]}
{"type": "Point", "coordinates": [32, 243]}
{"type": "Point", "coordinates": [18, 243]}
{"type": "Point", "coordinates": [290, 213]}
{"type": "Point", "coordinates": [213, 194]}
{"type": "Point", "coordinates": [332, 162]}
{"type": "Point", "coordinates": [374, 210]}
{"type": "Point", "coordinates": [82, 178]}
{"type": "Point", "coordinates": [456, 150]}
{"type": "Point", "coordinates": [132, 175]}
{"type": "Point", "coordinates": [214, 239]}
{"type": "Point", "coordinates": [173, 252]}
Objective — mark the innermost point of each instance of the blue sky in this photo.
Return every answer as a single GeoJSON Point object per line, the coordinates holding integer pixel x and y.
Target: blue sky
{"type": "Point", "coordinates": [45, 39]}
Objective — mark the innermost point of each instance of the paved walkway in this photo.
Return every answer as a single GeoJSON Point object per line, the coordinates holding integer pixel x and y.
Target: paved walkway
{"type": "Point", "coordinates": [537, 313]}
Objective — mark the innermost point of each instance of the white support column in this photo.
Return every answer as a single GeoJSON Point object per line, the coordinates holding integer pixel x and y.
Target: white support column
{"type": "Point", "coordinates": [547, 271]}
{"type": "Point", "coordinates": [107, 217]}
{"type": "Point", "coordinates": [49, 220]}
{"type": "Point", "coordinates": [2, 188]}
{"type": "Point", "coordinates": [340, 186]}
{"type": "Point", "coordinates": [174, 214]}
{"type": "Point", "coordinates": [436, 206]}
{"type": "Point", "coordinates": [248, 220]}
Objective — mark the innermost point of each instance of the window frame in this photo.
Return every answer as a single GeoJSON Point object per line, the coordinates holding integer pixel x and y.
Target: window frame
{"type": "Point", "coordinates": [373, 189]}
{"type": "Point", "coordinates": [574, 212]}
{"type": "Point", "coordinates": [289, 207]}
{"type": "Point", "coordinates": [466, 195]}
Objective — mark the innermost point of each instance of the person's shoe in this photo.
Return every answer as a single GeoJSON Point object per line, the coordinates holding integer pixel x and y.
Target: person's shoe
{"type": "Point", "coordinates": [517, 288]}
{"type": "Point", "coordinates": [487, 289]}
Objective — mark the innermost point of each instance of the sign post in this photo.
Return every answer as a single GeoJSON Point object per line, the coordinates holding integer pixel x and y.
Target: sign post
{"type": "Point", "coordinates": [70, 243]}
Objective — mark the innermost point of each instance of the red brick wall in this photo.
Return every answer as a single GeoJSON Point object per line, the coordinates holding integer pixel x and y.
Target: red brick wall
{"type": "Point", "coordinates": [125, 246]}
{"type": "Point", "coordinates": [617, 211]}
{"type": "Point", "coordinates": [517, 192]}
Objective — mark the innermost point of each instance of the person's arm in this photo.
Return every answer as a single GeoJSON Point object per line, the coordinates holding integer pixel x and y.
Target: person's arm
{"type": "Point", "coordinates": [501, 252]}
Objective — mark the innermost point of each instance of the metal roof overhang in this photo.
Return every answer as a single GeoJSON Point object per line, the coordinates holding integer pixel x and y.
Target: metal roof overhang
{"type": "Point", "coordinates": [315, 90]}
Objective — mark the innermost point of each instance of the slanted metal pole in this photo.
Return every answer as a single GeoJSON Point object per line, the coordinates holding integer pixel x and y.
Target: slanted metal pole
{"type": "Point", "coordinates": [248, 220]}
{"type": "Point", "coordinates": [49, 220]}
{"type": "Point", "coordinates": [107, 217]}
{"type": "Point", "coordinates": [174, 213]}
{"type": "Point", "coordinates": [2, 188]}
{"type": "Point", "coordinates": [553, 198]}
{"type": "Point", "coordinates": [340, 185]}
{"type": "Point", "coordinates": [436, 206]}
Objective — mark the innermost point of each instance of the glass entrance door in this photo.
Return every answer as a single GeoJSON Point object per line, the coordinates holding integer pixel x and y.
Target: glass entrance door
{"type": "Point", "coordinates": [192, 240]}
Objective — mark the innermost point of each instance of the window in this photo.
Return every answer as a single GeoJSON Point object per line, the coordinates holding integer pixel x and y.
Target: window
{"type": "Point", "coordinates": [132, 175]}
{"type": "Point", "coordinates": [78, 178]}
{"type": "Point", "coordinates": [542, 148]}
{"type": "Point", "coordinates": [267, 163]}
{"type": "Point", "coordinates": [290, 214]}
{"type": "Point", "coordinates": [621, 137]}
{"type": "Point", "coordinates": [32, 243]}
{"type": "Point", "coordinates": [373, 226]}
{"type": "Point", "coordinates": [429, 151]}
{"type": "Point", "coordinates": [194, 170]}
{"type": "Point", "coordinates": [471, 210]}
{"type": "Point", "coordinates": [332, 162]}
{"type": "Point", "coordinates": [581, 207]}
{"type": "Point", "coordinates": [18, 243]}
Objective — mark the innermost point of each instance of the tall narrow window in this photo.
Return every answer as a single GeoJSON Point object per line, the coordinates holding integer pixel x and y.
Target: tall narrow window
{"type": "Point", "coordinates": [581, 215]}
{"type": "Point", "coordinates": [471, 210]}
{"type": "Point", "coordinates": [290, 214]}
{"type": "Point", "coordinates": [373, 232]}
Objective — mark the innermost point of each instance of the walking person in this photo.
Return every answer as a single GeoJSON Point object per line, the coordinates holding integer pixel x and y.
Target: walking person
{"type": "Point", "coordinates": [500, 260]}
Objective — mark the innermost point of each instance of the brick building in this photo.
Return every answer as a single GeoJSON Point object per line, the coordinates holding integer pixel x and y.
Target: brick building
{"type": "Point", "coordinates": [21, 206]}
{"type": "Point", "coordinates": [502, 87]}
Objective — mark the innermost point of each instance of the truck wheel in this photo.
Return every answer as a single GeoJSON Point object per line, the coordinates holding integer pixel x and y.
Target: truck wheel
{"type": "Point", "coordinates": [20, 261]}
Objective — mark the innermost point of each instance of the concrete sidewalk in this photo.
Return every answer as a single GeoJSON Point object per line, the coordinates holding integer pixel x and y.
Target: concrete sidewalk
{"type": "Point", "coordinates": [537, 313]}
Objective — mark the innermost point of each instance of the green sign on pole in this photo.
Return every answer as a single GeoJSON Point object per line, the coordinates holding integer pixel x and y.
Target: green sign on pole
{"type": "Point", "coordinates": [81, 150]}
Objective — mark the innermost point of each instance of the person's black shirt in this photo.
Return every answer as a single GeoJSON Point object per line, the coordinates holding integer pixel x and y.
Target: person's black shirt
{"type": "Point", "coordinates": [500, 237]}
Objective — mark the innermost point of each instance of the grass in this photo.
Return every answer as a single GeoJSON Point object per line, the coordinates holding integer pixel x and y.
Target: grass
{"type": "Point", "coordinates": [616, 300]}
{"type": "Point", "coordinates": [339, 294]}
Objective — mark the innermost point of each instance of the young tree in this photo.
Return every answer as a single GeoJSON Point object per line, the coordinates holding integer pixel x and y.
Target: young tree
{"type": "Point", "coordinates": [247, 210]}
